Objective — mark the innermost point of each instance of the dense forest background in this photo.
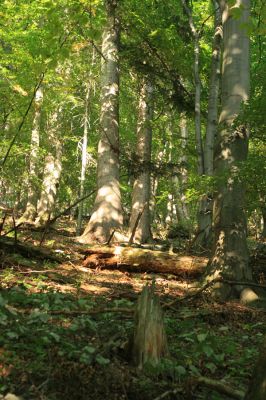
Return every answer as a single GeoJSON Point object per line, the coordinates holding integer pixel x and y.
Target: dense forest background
{"type": "Point", "coordinates": [135, 131]}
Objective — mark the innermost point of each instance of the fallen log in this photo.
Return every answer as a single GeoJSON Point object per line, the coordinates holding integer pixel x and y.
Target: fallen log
{"type": "Point", "coordinates": [144, 260]}
{"type": "Point", "coordinates": [9, 245]}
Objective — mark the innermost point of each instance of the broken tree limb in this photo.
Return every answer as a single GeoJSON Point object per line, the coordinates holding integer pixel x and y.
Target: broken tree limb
{"type": "Point", "coordinates": [143, 260]}
{"type": "Point", "coordinates": [65, 211]}
{"type": "Point", "coordinates": [131, 239]}
{"type": "Point", "coordinates": [9, 245]}
{"type": "Point", "coordinates": [218, 386]}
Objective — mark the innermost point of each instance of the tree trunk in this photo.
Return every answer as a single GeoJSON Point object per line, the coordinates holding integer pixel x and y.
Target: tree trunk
{"type": "Point", "coordinates": [197, 81]}
{"type": "Point", "coordinates": [257, 387]}
{"type": "Point", "coordinates": [30, 211]}
{"type": "Point", "coordinates": [214, 86]}
{"type": "Point", "coordinates": [90, 89]}
{"type": "Point", "coordinates": [142, 184]}
{"type": "Point", "coordinates": [230, 257]}
{"type": "Point", "coordinates": [204, 237]}
{"type": "Point", "coordinates": [182, 178]}
{"type": "Point", "coordinates": [52, 172]}
{"type": "Point", "coordinates": [263, 213]}
{"type": "Point", "coordinates": [149, 340]}
{"type": "Point", "coordinates": [83, 158]}
{"type": "Point", "coordinates": [107, 213]}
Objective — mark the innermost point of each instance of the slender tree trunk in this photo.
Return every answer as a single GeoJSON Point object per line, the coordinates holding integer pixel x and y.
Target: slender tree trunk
{"type": "Point", "coordinates": [51, 173]}
{"type": "Point", "coordinates": [263, 213]}
{"type": "Point", "coordinates": [182, 177]}
{"type": "Point", "coordinates": [83, 159]}
{"type": "Point", "coordinates": [107, 213]}
{"type": "Point", "coordinates": [205, 235]}
{"type": "Point", "coordinates": [142, 183]}
{"type": "Point", "coordinates": [214, 87]}
{"type": "Point", "coordinates": [30, 211]}
{"type": "Point", "coordinates": [197, 81]}
{"type": "Point", "coordinates": [230, 257]}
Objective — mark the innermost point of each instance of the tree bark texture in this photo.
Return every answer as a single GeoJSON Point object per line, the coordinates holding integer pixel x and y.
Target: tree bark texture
{"type": "Point", "coordinates": [204, 237]}
{"type": "Point", "coordinates": [83, 158]}
{"type": "Point", "coordinates": [51, 173]}
{"type": "Point", "coordinates": [30, 211]}
{"type": "Point", "coordinates": [230, 257]}
{"type": "Point", "coordinates": [257, 387]}
{"type": "Point", "coordinates": [107, 212]}
{"type": "Point", "coordinates": [182, 178]}
{"type": "Point", "coordinates": [143, 260]}
{"type": "Point", "coordinates": [142, 184]}
{"type": "Point", "coordinates": [149, 340]}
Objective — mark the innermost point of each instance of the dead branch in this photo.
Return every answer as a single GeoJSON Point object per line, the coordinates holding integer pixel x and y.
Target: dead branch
{"type": "Point", "coordinates": [136, 225]}
{"type": "Point", "coordinates": [219, 387]}
{"type": "Point", "coordinates": [65, 211]}
{"type": "Point", "coordinates": [10, 246]}
{"type": "Point", "coordinates": [167, 393]}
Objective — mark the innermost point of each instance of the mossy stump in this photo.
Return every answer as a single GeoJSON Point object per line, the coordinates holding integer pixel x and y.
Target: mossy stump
{"type": "Point", "coordinates": [149, 339]}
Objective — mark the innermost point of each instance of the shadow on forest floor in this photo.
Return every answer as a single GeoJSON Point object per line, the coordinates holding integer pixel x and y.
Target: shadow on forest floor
{"type": "Point", "coordinates": [53, 347]}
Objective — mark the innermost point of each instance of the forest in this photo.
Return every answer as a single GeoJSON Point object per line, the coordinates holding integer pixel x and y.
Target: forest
{"type": "Point", "coordinates": [132, 199]}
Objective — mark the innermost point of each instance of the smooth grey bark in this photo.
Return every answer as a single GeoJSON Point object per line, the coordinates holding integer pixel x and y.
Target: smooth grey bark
{"type": "Point", "coordinates": [204, 236]}
{"type": "Point", "coordinates": [83, 158]}
{"type": "Point", "coordinates": [142, 184]}
{"type": "Point", "coordinates": [90, 91]}
{"type": "Point", "coordinates": [107, 213]}
{"type": "Point", "coordinates": [230, 256]}
{"type": "Point", "coordinates": [197, 81]}
{"type": "Point", "coordinates": [30, 211]}
{"type": "Point", "coordinates": [51, 173]}
{"type": "Point", "coordinates": [214, 87]}
{"type": "Point", "coordinates": [182, 177]}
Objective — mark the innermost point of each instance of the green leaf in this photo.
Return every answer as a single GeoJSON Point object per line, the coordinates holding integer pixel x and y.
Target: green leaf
{"type": "Point", "coordinates": [102, 360]}
{"type": "Point", "coordinates": [207, 350]}
{"type": "Point", "coordinates": [211, 366]}
{"type": "Point", "coordinates": [202, 337]}
{"type": "Point", "coordinates": [180, 370]}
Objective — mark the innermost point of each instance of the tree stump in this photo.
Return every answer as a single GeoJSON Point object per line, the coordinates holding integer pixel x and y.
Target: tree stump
{"type": "Point", "coordinates": [257, 387]}
{"type": "Point", "coordinates": [149, 340]}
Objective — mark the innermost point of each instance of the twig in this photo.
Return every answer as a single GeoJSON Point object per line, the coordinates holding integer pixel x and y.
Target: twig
{"type": "Point", "coordinates": [23, 119]}
{"type": "Point", "coordinates": [110, 238]}
{"type": "Point", "coordinates": [86, 312]}
{"type": "Point", "coordinates": [71, 206]}
{"type": "Point", "coordinates": [208, 284]}
{"type": "Point", "coordinates": [14, 228]}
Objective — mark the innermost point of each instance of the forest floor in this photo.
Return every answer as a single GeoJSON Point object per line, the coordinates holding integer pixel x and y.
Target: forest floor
{"type": "Point", "coordinates": [58, 341]}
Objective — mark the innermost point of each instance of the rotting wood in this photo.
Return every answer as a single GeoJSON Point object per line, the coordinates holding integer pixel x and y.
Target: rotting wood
{"type": "Point", "coordinates": [149, 342]}
{"type": "Point", "coordinates": [143, 260]}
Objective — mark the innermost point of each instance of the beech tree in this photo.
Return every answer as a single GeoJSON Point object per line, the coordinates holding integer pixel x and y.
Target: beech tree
{"type": "Point", "coordinates": [31, 206]}
{"type": "Point", "coordinates": [204, 236]}
{"type": "Point", "coordinates": [142, 184]}
{"type": "Point", "coordinates": [230, 257]}
{"type": "Point", "coordinates": [107, 212]}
